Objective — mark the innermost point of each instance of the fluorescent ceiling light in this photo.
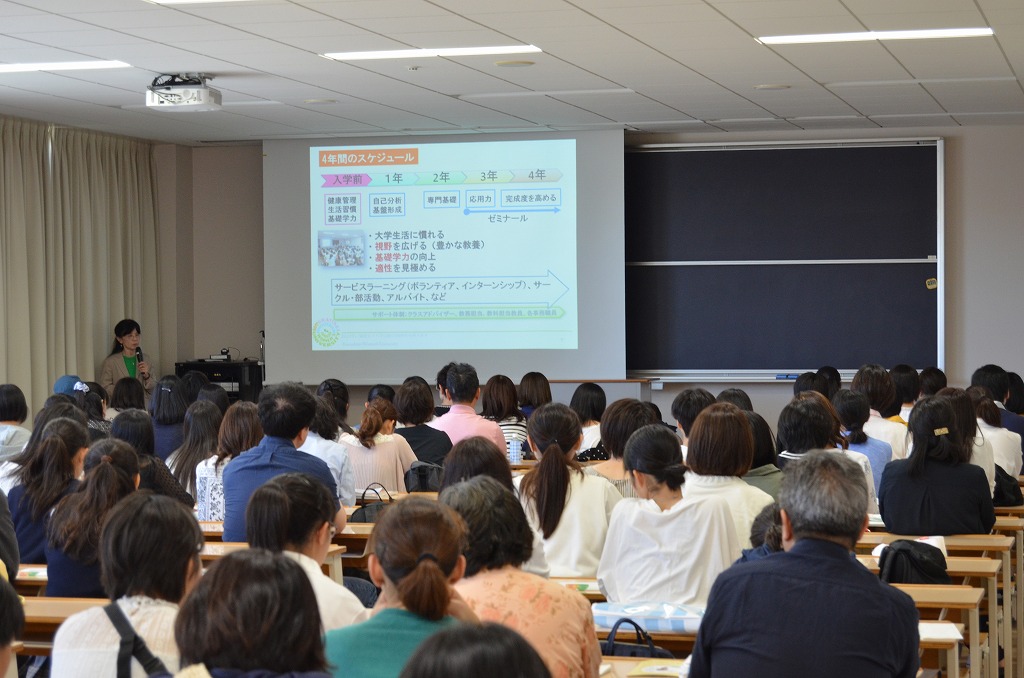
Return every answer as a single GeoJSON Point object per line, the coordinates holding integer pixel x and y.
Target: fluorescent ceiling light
{"type": "Point", "coordinates": [862, 36]}
{"type": "Point", "coordinates": [442, 52]}
{"type": "Point", "coordinates": [61, 66]}
{"type": "Point", "coordinates": [545, 93]}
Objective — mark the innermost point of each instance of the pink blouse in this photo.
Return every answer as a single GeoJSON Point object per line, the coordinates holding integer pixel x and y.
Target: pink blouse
{"type": "Point", "coordinates": [555, 620]}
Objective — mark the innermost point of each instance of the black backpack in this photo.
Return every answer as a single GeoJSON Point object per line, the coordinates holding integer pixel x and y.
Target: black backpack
{"type": "Point", "coordinates": [1007, 490]}
{"type": "Point", "coordinates": [423, 476]}
{"type": "Point", "coordinates": [912, 562]}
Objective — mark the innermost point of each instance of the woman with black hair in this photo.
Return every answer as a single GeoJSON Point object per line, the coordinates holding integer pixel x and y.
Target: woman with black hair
{"type": "Point", "coordinates": [589, 402]}
{"type": "Point", "coordinates": [13, 413]}
{"type": "Point", "coordinates": [126, 359]}
{"type": "Point", "coordinates": [490, 650]}
{"type": "Point", "coordinates": [764, 473]}
{"type": "Point", "coordinates": [665, 546]}
{"type": "Point", "coordinates": [294, 514]}
{"type": "Point", "coordinates": [568, 508]}
{"type": "Point", "coordinates": [854, 411]}
{"type": "Point", "coordinates": [128, 395]}
{"type": "Point", "coordinates": [936, 490]}
{"type": "Point", "coordinates": [135, 427]}
{"type": "Point", "coordinates": [252, 615]}
{"type": "Point", "coordinates": [49, 474]}
{"type": "Point", "coordinates": [72, 551]}
{"type": "Point", "coordinates": [337, 395]}
{"type": "Point", "coordinates": [202, 423]}
{"type": "Point", "coordinates": [167, 407]}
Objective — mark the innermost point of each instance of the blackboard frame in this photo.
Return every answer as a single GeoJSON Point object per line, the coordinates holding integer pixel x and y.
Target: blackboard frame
{"type": "Point", "coordinates": [904, 212]}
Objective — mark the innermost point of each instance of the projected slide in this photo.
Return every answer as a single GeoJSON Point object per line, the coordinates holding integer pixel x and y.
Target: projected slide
{"type": "Point", "coordinates": [444, 246]}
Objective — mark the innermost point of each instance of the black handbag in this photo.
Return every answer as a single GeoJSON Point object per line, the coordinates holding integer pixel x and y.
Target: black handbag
{"type": "Point", "coordinates": [643, 648]}
{"type": "Point", "coordinates": [370, 512]}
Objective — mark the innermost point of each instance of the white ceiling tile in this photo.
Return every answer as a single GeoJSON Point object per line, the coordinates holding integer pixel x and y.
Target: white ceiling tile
{"type": "Point", "coordinates": [836, 123]}
{"type": "Point", "coordinates": [889, 99]}
{"type": "Point", "coordinates": [375, 9]}
{"type": "Point", "coordinates": [843, 62]}
{"type": "Point", "coordinates": [143, 16]}
{"type": "Point", "coordinates": [978, 97]}
{"type": "Point", "coordinates": [949, 58]}
{"type": "Point", "coordinates": [251, 13]}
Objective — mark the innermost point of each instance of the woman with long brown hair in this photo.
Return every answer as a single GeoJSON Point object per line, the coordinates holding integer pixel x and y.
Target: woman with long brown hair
{"type": "Point", "coordinates": [240, 430]}
{"type": "Point", "coordinates": [567, 507]}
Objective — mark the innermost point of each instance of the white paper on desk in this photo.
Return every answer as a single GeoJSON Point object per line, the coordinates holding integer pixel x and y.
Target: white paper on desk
{"type": "Point", "coordinates": [937, 542]}
{"type": "Point", "coordinates": [875, 520]}
{"type": "Point", "coordinates": [938, 630]}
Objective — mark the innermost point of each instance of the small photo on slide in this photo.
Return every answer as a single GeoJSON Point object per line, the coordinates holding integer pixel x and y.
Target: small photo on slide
{"type": "Point", "coordinates": [341, 249]}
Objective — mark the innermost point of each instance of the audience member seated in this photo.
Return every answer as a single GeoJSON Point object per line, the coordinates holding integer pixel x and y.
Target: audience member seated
{"type": "Point", "coordinates": [10, 558]}
{"type": "Point", "coordinates": [128, 395]}
{"type": "Point", "coordinates": [321, 443]}
{"type": "Point", "coordinates": [149, 560]}
{"type": "Point", "coordinates": [908, 388]}
{"type": "Point", "coordinates": [933, 380]}
{"type": "Point", "coordinates": [622, 418]}
{"type": "Point", "coordinates": [795, 613]}
{"type": "Point", "coordinates": [202, 424]}
{"type": "Point", "coordinates": [92, 403]}
{"type": "Point", "coordinates": [832, 378]}
{"type": "Point", "coordinates": [478, 456]}
{"type": "Point", "coordinates": [1015, 400]}
{"type": "Point", "coordinates": [936, 490]}
{"type": "Point", "coordinates": [533, 391]}
{"type": "Point", "coordinates": [13, 413]}
{"type": "Point", "coordinates": [285, 412]}
{"type": "Point", "coordinates": [192, 382]}
{"type": "Point", "coordinates": [336, 393]}
{"type": "Point", "coordinates": [240, 430]}
{"type": "Point", "coordinates": [1005, 443]}
{"type": "Point", "coordinates": [738, 397]}
{"type": "Point", "coordinates": [499, 403]}
{"type": "Point", "coordinates": [54, 410]}
{"type": "Point", "coordinates": [997, 381]}
{"type": "Point", "coordinates": [568, 508]}
{"type": "Point", "coordinates": [381, 456]}
{"type": "Point", "coordinates": [981, 452]}
{"type": "Point", "coordinates": [721, 452]}
{"type": "Point", "coordinates": [686, 406]}
{"type": "Point", "coordinates": [46, 477]}
{"type": "Point", "coordinates": [167, 405]}
{"type": "Point", "coordinates": [12, 621]}
{"type": "Point", "coordinates": [764, 473]}
{"type": "Point", "coordinates": [415, 558]}
{"type": "Point", "coordinates": [215, 394]}
{"type": "Point", "coordinates": [589, 402]}
{"type": "Point", "coordinates": [853, 410]}
{"type": "Point", "coordinates": [461, 420]}
{"type": "Point", "coordinates": [72, 549]}
{"type": "Point", "coordinates": [135, 427]}
{"type": "Point", "coordinates": [414, 407]}
{"type": "Point", "coordinates": [765, 534]}
{"type": "Point", "coordinates": [252, 615]}
{"type": "Point", "coordinates": [555, 620]}
{"type": "Point", "coordinates": [441, 384]}
{"type": "Point", "coordinates": [874, 382]}
{"type": "Point", "coordinates": [293, 514]}
{"type": "Point", "coordinates": [490, 650]}
{"type": "Point", "coordinates": [664, 547]}
{"type": "Point", "coordinates": [810, 381]}
{"type": "Point", "coordinates": [810, 422]}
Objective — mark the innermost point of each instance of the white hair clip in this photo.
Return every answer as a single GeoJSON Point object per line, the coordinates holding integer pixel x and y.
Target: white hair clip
{"type": "Point", "coordinates": [81, 386]}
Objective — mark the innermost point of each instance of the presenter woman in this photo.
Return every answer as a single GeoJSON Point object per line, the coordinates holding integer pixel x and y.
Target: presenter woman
{"type": "Point", "coordinates": [125, 359]}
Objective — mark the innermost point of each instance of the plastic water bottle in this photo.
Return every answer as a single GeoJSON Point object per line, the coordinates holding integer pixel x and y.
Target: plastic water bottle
{"type": "Point", "coordinates": [515, 451]}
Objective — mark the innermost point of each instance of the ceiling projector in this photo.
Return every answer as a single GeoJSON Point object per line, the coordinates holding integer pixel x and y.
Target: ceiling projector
{"type": "Point", "coordinates": [182, 93]}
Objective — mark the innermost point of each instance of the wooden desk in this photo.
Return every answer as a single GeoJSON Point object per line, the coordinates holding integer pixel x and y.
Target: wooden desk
{"type": "Point", "coordinates": [966, 598]}
{"type": "Point", "coordinates": [967, 567]}
{"type": "Point", "coordinates": [1014, 526]}
{"type": "Point", "coordinates": [980, 545]}
{"type": "Point", "coordinates": [332, 566]}
{"type": "Point", "coordinates": [355, 538]}
{"type": "Point", "coordinates": [588, 588]}
{"type": "Point", "coordinates": [44, 615]}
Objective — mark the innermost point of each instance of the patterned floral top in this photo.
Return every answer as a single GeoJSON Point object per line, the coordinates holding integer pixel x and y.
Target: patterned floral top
{"type": "Point", "coordinates": [210, 489]}
{"type": "Point", "coordinates": [554, 619]}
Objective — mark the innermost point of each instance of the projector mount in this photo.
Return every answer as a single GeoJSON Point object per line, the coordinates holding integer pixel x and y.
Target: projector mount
{"type": "Point", "coordinates": [163, 85]}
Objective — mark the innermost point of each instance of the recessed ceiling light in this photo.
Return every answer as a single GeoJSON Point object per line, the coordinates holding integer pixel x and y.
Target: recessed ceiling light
{"type": "Point", "coordinates": [61, 66]}
{"type": "Point", "coordinates": [861, 36]}
{"type": "Point", "coordinates": [514, 63]}
{"type": "Point", "coordinates": [771, 87]}
{"type": "Point", "coordinates": [440, 52]}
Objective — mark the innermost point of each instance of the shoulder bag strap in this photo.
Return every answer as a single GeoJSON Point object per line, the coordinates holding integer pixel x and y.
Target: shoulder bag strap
{"type": "Point", "coordinates": [132, 645]}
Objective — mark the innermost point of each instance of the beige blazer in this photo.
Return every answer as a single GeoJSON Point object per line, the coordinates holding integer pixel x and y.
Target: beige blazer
{"type": "Point", "coordinates": [113, 369]}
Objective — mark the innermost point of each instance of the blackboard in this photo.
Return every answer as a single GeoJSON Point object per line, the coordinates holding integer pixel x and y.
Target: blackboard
{"type": "Point", "coordinates": [752, 261]}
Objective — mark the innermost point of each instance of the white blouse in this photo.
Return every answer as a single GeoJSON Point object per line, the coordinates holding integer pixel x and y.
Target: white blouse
{"type": "Point", "coordinates": [668, 556]}
{"type": "Point", "coordinates": [574, 548]}
{"type": "Point", "coordinates": [1005, 447]}
{"type": "Point", "coordinates": [745, 501]}
{"type": "Point", "coordinates": [338, 606]}
{"type": "Point", "coordinates": [888, 431]}
{"type": "Point", "coordinates": [86, 644]}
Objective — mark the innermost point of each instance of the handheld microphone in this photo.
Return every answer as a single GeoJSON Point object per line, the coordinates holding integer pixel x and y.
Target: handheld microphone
{"type": "Point", "coordinates": [138, 354]}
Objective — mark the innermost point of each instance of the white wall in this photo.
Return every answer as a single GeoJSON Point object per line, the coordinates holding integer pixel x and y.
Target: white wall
{"type": "Point", "coordinates": [984, 251]}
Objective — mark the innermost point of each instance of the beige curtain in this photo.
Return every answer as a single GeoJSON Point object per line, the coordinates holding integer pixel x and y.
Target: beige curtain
{"type": "Point", "coordinates": [78, 256]}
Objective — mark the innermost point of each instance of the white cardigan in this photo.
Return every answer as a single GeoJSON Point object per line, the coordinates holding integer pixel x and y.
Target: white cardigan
{"type": "Point", "coordinates": [745, 501]}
